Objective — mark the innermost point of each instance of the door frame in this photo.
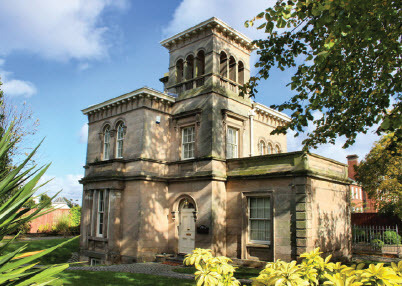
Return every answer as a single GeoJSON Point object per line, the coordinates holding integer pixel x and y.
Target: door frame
{"type": "Point", "coordinates": [182, 232]}
{"type": "Point", "coordinates": [176, 218]}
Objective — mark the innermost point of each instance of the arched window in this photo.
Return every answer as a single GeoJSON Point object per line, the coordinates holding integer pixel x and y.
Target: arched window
{"type": "Point", "coordinates": [240, 73]}
{"type": "Point", "coordinates": [179, 71]}
{"type": "Point", "coordinates": [232, 69]}
{"type": "Point", "coordinates": [106, 143]}
{"type": "Point", "coordinates": [261, 147]}
{"type": "Point", "coordinates": [269, 149]}
{"type": "Point", "coordinates": [190, 67]}
{"type": "Point", "coordinates": [223, 65]}
{"type": "Point", "coordinates": [200, 63]}
{"type": "Point", "coordinates": [277, 149]}
{"type": "Point", "coordinates": [119, 140]}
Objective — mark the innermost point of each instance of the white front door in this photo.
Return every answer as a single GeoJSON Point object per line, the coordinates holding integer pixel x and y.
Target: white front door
{"type": "Point", "coordinates": [186, 231]}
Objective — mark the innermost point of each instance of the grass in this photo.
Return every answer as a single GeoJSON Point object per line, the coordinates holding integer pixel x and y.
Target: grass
{"type": "Point", "coordinates": [86, 278]}
{"type": "Point", "coordinates": [59, 255]}
{"type": "Point", "coordinates": [241, 272]}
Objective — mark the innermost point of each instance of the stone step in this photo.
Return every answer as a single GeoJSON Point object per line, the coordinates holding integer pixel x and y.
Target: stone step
{"type": "Point", "coordinates": [178, 258]}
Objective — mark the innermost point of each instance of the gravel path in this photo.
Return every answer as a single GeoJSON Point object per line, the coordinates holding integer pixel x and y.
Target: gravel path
{"type": "Point", "coordinates": [153, 268]}
{"type": "Point", "coordinates": [145, 268]}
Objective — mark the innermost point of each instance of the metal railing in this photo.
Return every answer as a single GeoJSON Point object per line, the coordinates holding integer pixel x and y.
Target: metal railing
{"type": "Point", "coordinates": [376, 239]}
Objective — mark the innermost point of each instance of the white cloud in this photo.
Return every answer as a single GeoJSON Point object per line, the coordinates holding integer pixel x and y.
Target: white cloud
{"type": "Point", "coordinates": [83, 134]}
{"type": "Point", "coordinates": [83, 66]}
{"type": "Point", "coordinates": [15, 87]}
{"type": "Point", "coordinates": [67, 184]}
{"type": "Point", "coordinates": [61, 30]}
{"type": "Point", "coordinates": [233, 12]}
{"type": "Point", "coordinates": [363, 144]}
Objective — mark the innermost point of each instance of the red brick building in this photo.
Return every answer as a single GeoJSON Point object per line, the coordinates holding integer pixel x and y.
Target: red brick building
{"type": "Point", "coordinates": [360, 201]}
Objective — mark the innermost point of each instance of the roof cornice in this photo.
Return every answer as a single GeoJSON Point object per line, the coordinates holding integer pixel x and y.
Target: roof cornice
{"type": "Point", "coordinates": [212, 22]}
{"type": "Point", "coordinates": [275, 113]}
{"type": "Point", "coordinates": [144, 91]}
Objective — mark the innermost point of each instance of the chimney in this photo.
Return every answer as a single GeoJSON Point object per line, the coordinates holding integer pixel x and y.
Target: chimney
{"type": "Point", "coordinates": [352, 161]}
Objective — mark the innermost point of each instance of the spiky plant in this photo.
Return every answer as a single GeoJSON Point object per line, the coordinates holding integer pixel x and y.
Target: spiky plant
{"type": "Point", "coordinates": [18, 186]}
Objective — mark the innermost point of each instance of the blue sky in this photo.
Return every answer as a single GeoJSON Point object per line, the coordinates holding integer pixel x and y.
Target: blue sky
{"type": "Point", "coordinates": [62, 56]}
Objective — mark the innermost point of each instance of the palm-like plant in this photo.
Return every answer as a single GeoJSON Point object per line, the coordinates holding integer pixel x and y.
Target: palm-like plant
{"type": "Point", "coordinates": [18, 186]}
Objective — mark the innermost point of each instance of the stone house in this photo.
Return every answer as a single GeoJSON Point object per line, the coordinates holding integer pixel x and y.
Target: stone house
{"type": "Point", "coordinates": [195, 166]}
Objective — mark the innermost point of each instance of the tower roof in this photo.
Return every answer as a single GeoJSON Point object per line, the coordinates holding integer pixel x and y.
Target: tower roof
{"type": "Point", "coordinates": [212, 22]}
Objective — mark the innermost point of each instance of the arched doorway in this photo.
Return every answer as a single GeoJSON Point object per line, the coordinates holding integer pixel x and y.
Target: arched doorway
{"type": "Point", "coordinates": [186, 227]}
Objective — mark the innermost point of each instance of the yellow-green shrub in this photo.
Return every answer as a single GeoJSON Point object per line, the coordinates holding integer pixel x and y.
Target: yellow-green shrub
{"type": "Point", "coordinates": [313, 270]}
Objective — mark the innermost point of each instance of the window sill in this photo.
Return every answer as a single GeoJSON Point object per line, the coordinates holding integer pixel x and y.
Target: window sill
{"type": "Point", "coordinates": [258, 245]}
{"type": "Point", "coordinates": [187, 159]}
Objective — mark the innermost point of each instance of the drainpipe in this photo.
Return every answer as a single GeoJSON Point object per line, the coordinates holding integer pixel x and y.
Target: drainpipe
{"type": "Point", "coordinates": [251, 116]}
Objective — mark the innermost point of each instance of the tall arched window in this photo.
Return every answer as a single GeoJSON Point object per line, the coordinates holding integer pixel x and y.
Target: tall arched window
{"type": "Point", "coordinates": [269, 149]}
{"type": "Point", "coordinates": [200, 63]}
{"type": "Point", "coordinates": [179, 71]}
{"type": "Point", "coordinates": [261, 147]}
{"type": "Point", "coordinates": [190, 67]}
{"type": "Point", "coordinates": [240, 73]}
{"type": "Point", "coordinates": [119, 140]}
{"type": "Point", "coordinates": [277, 149]}
{"type": "Point", "coordinates": [232, 69]}
{"type": "Point", "coordinates": [223, 70]}
{"type": "Point", "coordinates": [106, 143]}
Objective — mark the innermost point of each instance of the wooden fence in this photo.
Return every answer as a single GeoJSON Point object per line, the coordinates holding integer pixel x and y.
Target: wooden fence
{"type": "Point", "coordinates": [48, 219]}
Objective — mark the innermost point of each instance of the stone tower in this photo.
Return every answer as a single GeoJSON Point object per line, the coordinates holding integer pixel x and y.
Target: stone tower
{"type": "Point", "coordinates": [208, 57]}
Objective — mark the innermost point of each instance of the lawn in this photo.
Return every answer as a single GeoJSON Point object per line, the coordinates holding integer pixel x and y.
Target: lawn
{"type": "Point", "coordinates": [86, 278]}
{"type": "Point", "coordinates": [79, 277]}
{"type": "Point", "coordinates": [241, 272]}
{"type": "Point", "coordinates": [59, 255]}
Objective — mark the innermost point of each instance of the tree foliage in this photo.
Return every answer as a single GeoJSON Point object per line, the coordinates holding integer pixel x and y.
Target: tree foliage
{"type": "Point", "coordinates": [380, 174]}
{"type": "Point", "coordinates": [45, 199]}
{"type": "Point", "coordinates": [23, 126]}
{"type": "Point", "coordinates": [347, 56]}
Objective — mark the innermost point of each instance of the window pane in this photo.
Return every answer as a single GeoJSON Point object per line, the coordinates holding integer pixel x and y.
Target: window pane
{"type": "Point", "coordinates": [231, 143]}
{"type": "Point", "coordinates": [188, 140]}
{"type": "Point", "coordinates": [259, 219]}
{"type": "Point", "coordinates": [267, 208]}
{"type": "Point", "coordinates": [254, 230]}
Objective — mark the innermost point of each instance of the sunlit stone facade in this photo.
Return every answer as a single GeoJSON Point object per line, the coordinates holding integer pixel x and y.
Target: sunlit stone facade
{"type": "Point", "coordinates": [196, 166]}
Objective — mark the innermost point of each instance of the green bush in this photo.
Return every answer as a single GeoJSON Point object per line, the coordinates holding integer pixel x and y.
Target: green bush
{"type": "Point", "coordinates": [47, 228]}
{"type": "Point", "coordinates": [62, 225]}
{"type": "Point", "coordinates": [377, 243]}
{"type": "Point", "coordinates": [392, 237]}
{"type": "Point", "coordinates": [75, 216]}
{"type": "Point", "coordinates": [22, 229]}
{"type": "Point", "coordinates": [313, 270]}
{"type": "Point", "coordinates": [360, 234]}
